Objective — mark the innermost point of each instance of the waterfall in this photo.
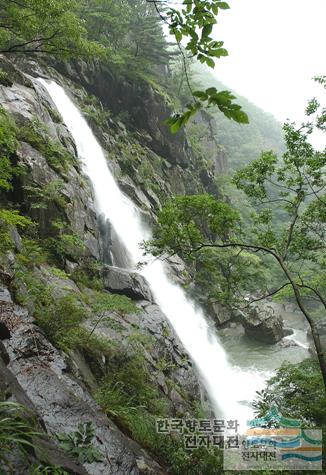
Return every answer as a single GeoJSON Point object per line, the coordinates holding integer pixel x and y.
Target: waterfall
{"type": "Point", "coordinates": [226, 386]}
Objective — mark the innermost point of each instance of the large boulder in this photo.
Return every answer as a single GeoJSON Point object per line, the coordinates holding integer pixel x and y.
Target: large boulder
{"type": "Point", "coordinates": [262, 323]}
{"type": "Point", "coordinates": [131, 284]}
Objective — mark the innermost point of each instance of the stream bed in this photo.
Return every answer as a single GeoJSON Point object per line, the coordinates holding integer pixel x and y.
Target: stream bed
{"type": "Point", "coordinates": [255, 361]}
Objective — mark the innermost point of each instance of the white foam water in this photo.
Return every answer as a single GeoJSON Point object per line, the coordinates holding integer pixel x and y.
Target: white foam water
{"type": "Point", "coordinates": [299, 337]}
{"type": "Point", "coordinates": [228, 387]}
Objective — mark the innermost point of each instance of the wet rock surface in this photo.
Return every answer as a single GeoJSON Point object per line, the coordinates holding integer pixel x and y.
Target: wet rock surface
{"type": "Point", "coordinates": [25, 104]}
{"type": "Point", "coordinates": [168, 363]}
{"type": "Point", "coordinates": [146, 108]}
{"type": "Point", "coordinates": [220, 313]}
{"type": "Point", "coordinates": [262, 323]}
{"type": "Point", "coordinates": [37, 372]}
{"type": "Point", "coordinates": [121, 281]}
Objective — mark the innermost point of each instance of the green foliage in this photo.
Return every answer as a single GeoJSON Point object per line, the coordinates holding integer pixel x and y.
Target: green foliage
{"type": "Point", "coordinates": [61, 274]}
{"type": "Point", "coordinates": [146, 34]}
{"type": "Point", "coordinates": [202, 460]}
{"type": "Point", "coordinates": [313, 106]}
{"type": "Point", "coordinates": [131, 33]}
{"type": "Point", "coordinates": [107, 21]}
{"type": "Point", "coordinates": [40, 469]}
{"type": "Point", "coordinates": [178, 119]}
{"type": "Point", "coordinates": [8, 220]}
{"type": "Point", "coordinates": [79, 444]}
{"type": "Point", "coordinates": [138, 340]}
{"type": "Point", "coordinates": [66, 243]}
{"type": "Point", "coordinates": [50, 26]}
{"type": "Point", "coordinates": [4, 79]}
{"type": "Point", "coordinates": [63, 316]}
{"type": "Point", "coordinates": [16, 432]}
{"type": "Point", "coordinates": [6, 173]}
{"type": "Point", "coordinates": [293, 184]}
{"type": "Point", "coordinates": [170, 449]}
{"type": "Point", "coordinates": [102, 302]}
{"type": "Point", "coordinates": [42, 197]}
{"type": "Point", "coordinates": [60, 317]}
{"type": "Point", "coordinates": [13, 218]}
{"type": "Point", "coordinates": [140, 423]}
{"type": "Point", "coordinates": [165, 365]}
{"type": "Point", "coordinates": [298, 392]}
{"type": "Point", "coordinates": [8, 131]}
{"type": "Point", "coordinates": [133, 40]}
{"type": "Point", "coordinates": [88, 274]}
{"type": "Point", "coordinates": [129, 383]}
{"type": "Point", "coordinates": [32, 253]}
{"type": "Point", "coordinates": [127, 34]}
{"type": "Point", "coordinates": [195, 23]}
{"type": "Point", "coordinates": [19, 434]}
{"type": "Point", "coordinates": [146, 172]}
{"type": "Point", "coordinates": [210, 97]}
{"type": "Point", "coordinates": [57, 156]}
{"type": "Point", "coordinates": [129, 397]}
{"type": "Point", "coordinates": [93, 108]}
{"type": "Point", "coordinates": [222, 274]}
{"type": "Point", "coordinates": [8, 147]}
{"type": "Point", "coordinates": [99, 116]}
{"type": "Point", "coordinates": [123, 33]}
{"type": "Point", "coordinates": [94, 347]}
{"type": "Point", "coordinates": [186, 222]}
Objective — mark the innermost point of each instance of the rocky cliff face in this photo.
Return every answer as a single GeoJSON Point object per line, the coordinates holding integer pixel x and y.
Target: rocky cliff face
{"type": "Point", "coordinates": [65, 261]}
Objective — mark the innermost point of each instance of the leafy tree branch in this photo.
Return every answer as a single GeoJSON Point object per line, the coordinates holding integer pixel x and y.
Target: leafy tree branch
{"type": "Point", "coordinates": [194, 24]}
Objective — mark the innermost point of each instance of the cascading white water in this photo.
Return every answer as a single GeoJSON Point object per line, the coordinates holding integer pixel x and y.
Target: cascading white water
{"type": "Point", "coordinates": [300, 338]}
{"type": "Point", "coordinates": [227, 386]}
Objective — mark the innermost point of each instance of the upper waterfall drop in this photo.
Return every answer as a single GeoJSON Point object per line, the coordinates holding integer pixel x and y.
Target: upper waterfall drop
{"type": "Point", "coordinates": [226, 385]}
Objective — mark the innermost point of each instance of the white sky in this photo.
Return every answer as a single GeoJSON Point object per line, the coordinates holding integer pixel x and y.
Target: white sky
{"type": "Point", "coordinates": [275, 48]}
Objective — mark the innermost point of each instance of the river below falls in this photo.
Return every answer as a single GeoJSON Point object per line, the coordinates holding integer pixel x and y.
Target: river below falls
{"type": "Point", "coordinates": [262, 359]}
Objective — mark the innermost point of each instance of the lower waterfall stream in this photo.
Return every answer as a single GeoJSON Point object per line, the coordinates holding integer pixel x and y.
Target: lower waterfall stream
{"type": "Point", "coordinates": [229, 387]}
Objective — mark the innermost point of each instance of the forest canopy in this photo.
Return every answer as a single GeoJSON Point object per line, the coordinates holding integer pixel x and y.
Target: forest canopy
{"type": "Point", "coordinates": [126, 33]}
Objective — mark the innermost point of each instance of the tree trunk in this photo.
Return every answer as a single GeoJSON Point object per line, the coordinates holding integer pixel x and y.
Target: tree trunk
{"type": "Point", "coordinates": [314, 332]}
{"type": "Point", "coordinates": [319, 350]}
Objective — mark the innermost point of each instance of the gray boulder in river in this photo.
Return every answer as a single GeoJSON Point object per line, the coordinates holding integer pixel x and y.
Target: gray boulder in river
{"type": "Point", "coordinates": [262, 323]}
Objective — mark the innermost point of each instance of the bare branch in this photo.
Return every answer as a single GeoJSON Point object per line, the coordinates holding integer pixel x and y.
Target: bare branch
{"type": "Point", "coordinates": [267, 295]}
{"type": "Point", "coordinates": [41, 40]}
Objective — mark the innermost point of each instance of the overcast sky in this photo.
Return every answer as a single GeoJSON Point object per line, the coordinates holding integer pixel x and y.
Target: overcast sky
{"type": "Point", "coordinates": [275, 48]}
